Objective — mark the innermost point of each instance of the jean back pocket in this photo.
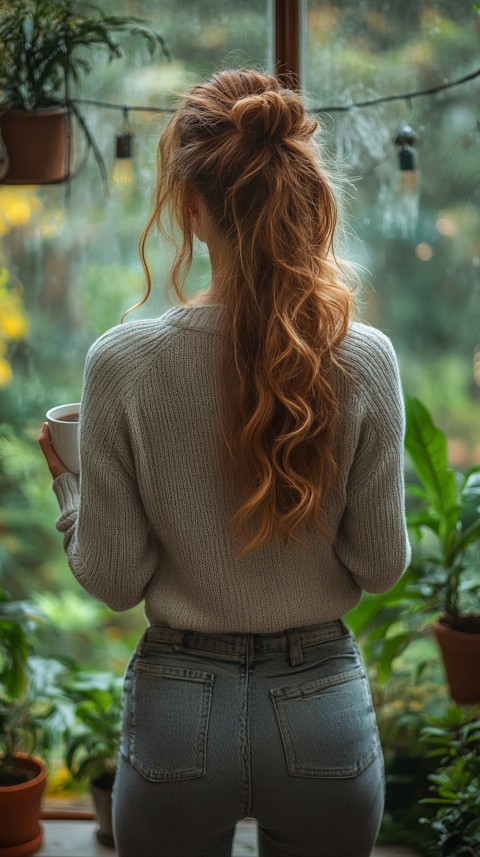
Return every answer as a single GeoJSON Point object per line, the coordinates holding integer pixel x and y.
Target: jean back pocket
{"type": "Point", "coordinates": [327, 725]}
{"type": "Point", "coordinates": [169, 718]}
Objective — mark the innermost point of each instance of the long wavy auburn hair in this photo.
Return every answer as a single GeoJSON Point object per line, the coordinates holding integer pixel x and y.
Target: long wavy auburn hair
{"type": "Point", "coordinates": [245, 144]}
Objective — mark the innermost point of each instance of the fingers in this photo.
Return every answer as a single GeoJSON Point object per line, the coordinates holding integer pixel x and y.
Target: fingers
{"type": "Point", "coordinates": [55, 465]}
{"type": "Point", "coordinates": [44, 436]}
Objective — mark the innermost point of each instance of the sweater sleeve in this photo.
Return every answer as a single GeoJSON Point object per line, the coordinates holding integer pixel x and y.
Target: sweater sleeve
{"type": "Point", "coordinates": [107, 536]}
{"type": "Point", "coordinates": [372, 540]}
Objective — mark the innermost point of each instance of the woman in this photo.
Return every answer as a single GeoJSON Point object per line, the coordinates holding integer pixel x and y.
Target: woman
{"type": "Point", "coordinates": [242, 474]}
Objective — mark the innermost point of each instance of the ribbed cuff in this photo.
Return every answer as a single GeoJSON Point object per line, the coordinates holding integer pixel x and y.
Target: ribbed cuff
{"type": "Point", "coordinates": [67, 491]}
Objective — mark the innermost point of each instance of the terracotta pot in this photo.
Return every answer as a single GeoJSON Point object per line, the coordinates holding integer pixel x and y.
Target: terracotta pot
{"type": "Point", "coordinates": [37, 145]}
{"type": "Point", "coordinates": [101, 790]}
{"type": "Point", "coordinates": [461, 658]}
{"type": "Point", "coordinates": [21, 833]}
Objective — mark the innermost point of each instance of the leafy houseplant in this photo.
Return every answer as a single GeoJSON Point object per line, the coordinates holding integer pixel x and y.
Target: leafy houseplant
{"type": "Point", "coordinates": [92, 744]}
{"type": "Point", "coordinates": [42, 54]}
{"type": "Point", "coordinates": [448, 521]}
{"type": "Point", "coordinates": [441, 588]}
{"type": "Point", "coordinates": [14, 637]}
{"type": "Point", "coordinates": [28, 719]}
{"type": "Point", "coordinates": [455, 825]}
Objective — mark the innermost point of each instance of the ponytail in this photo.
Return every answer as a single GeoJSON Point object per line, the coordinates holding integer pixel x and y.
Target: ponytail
{"type": "Point", "coordinates": [246, 146]}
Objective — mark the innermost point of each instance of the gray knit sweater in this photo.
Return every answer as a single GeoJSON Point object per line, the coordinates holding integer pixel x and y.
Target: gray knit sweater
{"type": "Point", "coordinates": [148, 518]}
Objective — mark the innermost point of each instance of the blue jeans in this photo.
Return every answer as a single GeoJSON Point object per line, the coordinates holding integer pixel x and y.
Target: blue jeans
{"type": "Point", "coordinates": [218, 727]}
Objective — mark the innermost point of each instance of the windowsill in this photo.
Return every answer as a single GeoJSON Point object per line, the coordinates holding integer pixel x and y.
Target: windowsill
{"type": "Point", "coordinates": [68, 838]}
{"type": "Point", "coordinates": [77, 839]}
{"type": "Point", "coordinates": [72, 839]}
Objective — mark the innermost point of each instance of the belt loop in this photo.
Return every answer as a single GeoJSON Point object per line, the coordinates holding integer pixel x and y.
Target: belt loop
{"type": "Point", "coordinates": [294, 647]}
{"type": "Point", "coordinates": [178, 640]}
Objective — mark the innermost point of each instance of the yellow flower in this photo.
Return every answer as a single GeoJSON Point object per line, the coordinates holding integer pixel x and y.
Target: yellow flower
{"type": "Point", "coordinates": [59, 780]}
{"type": "Point", "coordinates": [13, 318]}
{"type": "Point", "coordinates": [15, 324]}
{"type": "Point", "coordinates": [18, 212]}
{"type": "Point", "coordinates": [17, 206]}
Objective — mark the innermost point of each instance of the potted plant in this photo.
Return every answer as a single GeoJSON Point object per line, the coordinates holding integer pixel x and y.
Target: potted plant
{"type": "Point", "coordinates": [455, 825]}
{"type": "Point", "coordinates": [447, 562]}
{"type": "Point", "coordinates": [92, 744]}
{"type": "Point", "coordinates": [28, 721]}
{"type": "Point", "coordinates": [43, 47]}
{"type": "Point", "coordinates": [441, 588]}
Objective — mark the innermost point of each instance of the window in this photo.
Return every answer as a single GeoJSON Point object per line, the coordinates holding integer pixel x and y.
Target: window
{"type": "Point", "coordinates": [69, 266]}
{"type": "Point", "coordinates": [419, 244]}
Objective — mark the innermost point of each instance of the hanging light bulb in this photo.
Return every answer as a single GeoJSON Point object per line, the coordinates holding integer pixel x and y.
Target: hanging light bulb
{"type": "Point", "coordinates": [407, 158]}
{"type": "Point", "coordinates": [124, 139]}
{"type": "Point", "coordinates": [403, 213]}
{"type": "Point", "coordinates": [123, 169]}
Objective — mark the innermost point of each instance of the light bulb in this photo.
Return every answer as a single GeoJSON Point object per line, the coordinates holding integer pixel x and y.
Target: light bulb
{"type": "Point", "coordinates": [407, 159]}
{"type": "Point", "coordinates": [123, 175]}
{"type": "Point", "coordinates": [408, 181]}
{"type": "Point", "coordinates": [124, 139]}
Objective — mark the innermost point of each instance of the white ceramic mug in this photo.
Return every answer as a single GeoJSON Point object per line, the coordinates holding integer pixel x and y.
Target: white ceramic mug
{"type": "Point", "coordinates": [64, 434]}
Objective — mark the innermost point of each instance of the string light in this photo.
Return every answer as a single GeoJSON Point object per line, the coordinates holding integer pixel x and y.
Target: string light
{"type": "Point", "coordinates": [335, 108]}
{"type": "Point", "coordinates": [124, 138]}
{"type": "Point", "coordinates": [402, 96]}
{"type": "Point", "coordinates": [407, 160]}
{"type": "Point", "coordinates": [406, 139]}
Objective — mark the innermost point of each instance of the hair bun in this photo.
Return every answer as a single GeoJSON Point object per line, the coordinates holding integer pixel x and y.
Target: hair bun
{"type": "Point", "coordinates": [271, 116]}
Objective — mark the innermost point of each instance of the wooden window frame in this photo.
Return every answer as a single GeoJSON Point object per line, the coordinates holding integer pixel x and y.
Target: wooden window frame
{"type": "Point", "coordinates": [287, 42]}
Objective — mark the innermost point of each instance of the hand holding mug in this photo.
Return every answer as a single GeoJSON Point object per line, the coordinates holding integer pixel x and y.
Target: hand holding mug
{"type": "Point", "coordinates": [59, 439]}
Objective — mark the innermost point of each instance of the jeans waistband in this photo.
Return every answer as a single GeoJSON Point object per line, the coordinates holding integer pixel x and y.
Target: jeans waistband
{"type": "Point", "coordinates": [238, 646]}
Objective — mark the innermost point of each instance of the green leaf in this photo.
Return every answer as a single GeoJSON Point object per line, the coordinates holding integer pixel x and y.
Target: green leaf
{"type": "Point", "coordinates": [423, 519]}
{"type": "Point", "coordinates": [427, 447]}
{"type": "Point", "coordinates": [391, 649]}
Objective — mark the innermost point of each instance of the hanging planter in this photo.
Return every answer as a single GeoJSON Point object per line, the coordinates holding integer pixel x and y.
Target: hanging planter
{"type": "Point", "coordinates": [45, 162]}
{"type": "Point", "coordinates": [21, 833]}
{"type": "Point", "coordinates": [40, 60]}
